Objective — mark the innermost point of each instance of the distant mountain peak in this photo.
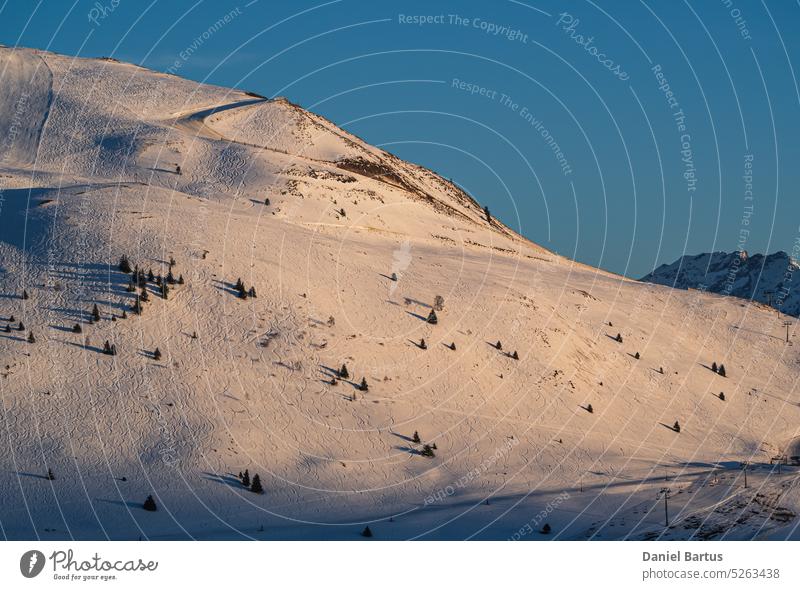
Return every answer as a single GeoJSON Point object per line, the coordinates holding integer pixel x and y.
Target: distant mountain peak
{"type": "Point", "coordinates": [766, 279]}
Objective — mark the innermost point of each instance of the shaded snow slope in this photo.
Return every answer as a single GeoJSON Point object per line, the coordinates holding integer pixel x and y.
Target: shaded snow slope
{"type": "Point", "coordinates": [251, 383]}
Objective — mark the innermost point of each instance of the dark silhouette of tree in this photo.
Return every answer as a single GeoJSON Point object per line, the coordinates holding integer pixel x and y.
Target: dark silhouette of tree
{"type": "Point", "coordinates": [438, 303]}
{"type": "Point", "coordinates": [366, 532]}
{"type": "Point", "coordinates": [24, 294]}
{"type": "Point", "coordinates": [150, 504]}
{"type": "Point", "coordinates": [487, 214]}
{"type": "Point", "coordinates": [452, 346]}
{"type": "Point", "coordinates": [255, 487]}
{"type": "Point", "coordinates": [499, 345]}
{"type": "Point", "coordinates": [619, 337]}
{"type": "Point", "coordinates": [515, 356]}
{"type": "Point", "coordinates": [636, 356]}
{"type": "Point", "coordinates": [344, 373]}
{"type": "Point", "coordinates": [589, 408]}
{"type": "Point", "coordinates": [546, 529]}
{"type": "Point", "coordinates": [164, 290]}
{"type": "Point", "coordinates": [21, 327]}
{"type": "Point", "coordinates": [363, 386]}
{"type": "Point", "coordinates": [76, 329]}
{"type": "Point", "coordinates": [95, 313]}
{"type": "Point", "coordinates": [432, 319]}
{"type": "Point", "coordinates": [427, 451]}
{"type": "Point", "coordinates": [266, 202]}
{"type": "Point", "coordinates": [714, 366]}
{"type": "Point", "coordinates": [342, 213]}
{"type": "Point", "coordinates": [137, 306]}
{"type": "Point", "coordinates": [124, 315]}
{"type": "Point", "coordinates": [394, 277]}
{"type": "Point", "coordinates": [156, 355]}
{"type": "Point", "coordinates": [180, 279]}
{"type": "Point", "coordinates": [676, 427]}
{"type": "Point", "coordinates": [252, 292]}
{"type": "Point", "coordinates": [145, 295]}
{"type": "Point", "coordinates": [422, 344]}
{"type": "Point", "coordinates": [722, 371]}
{"type": "Point", "coordinates": [31, 338]}
{"type": "Point", "coordinates": [150, 277]}
{"type": "Point", "coordinates": [124, 264]}
{"type": "Point", "coordinates": [416, 438]}
{"type": "Point", "coordinates": [50, 475]}
{"type": "Point", "coordinates": [246, 478]}
{"type": "Point", "coordinates": [170, 277]}
{"type": "Point", "coordinates": [722, 396]}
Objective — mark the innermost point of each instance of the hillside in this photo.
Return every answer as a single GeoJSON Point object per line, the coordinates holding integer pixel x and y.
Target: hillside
{"type": "Point", "coordinates": [762, 279]}
{"type": "Point", "coordinates": [110, 160]}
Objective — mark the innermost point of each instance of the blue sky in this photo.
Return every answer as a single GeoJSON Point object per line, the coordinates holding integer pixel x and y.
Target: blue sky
{"type": "Point", "coordinates": [555, 114]}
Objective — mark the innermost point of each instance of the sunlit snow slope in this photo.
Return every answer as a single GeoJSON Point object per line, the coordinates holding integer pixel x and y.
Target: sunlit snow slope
{"type": "Point", "coordinates": [100, 160]}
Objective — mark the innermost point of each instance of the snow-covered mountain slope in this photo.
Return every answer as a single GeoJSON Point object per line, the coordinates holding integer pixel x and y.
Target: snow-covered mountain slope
{"type": "Point", "coordinates": [252, 383]}
{"type": "Point", "coordinates": [763, 279]}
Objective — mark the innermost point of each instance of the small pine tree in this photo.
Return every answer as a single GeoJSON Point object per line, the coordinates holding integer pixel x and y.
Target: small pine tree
{"type": "Point", "coordinates": [416, 438]}
{"type": "Point", "coordinates": [589, 408]}
{"type": "Point", "coordinates": [344, 373]}
{"type": "Point", "coordinates": [170, 277]}
{"type": "Point", "coordinates": [107, 347]}
{"type": "Point", "coordinates": [546, 529]}
{"type": "Point", "coordinates": [515, 356]}
{"type": "Point", "coordinates": [171, 262]}
{"type": "Point", "coordinates": [156, 355]}
{"type": "Point", "coordinates": [50, 475]}
{"type": "Point", "coordinates": [131, 286]}
{"type": "Point", "coordinates": [31, 338]}
{"type": "Point", "coordinates": [246, 478]}
{"type": "Point", "coordinates": [432, 319]}
{"type": "Point", "coordinates": [95, 313]}
{"type": "Point", "coordinates": [24, 294]}
{"type": "Point", "coordinates": [619, 337]}
{"type": "Point", "coordinates": [722, 371]}
{"type": "Point", "coordinates": [342, 213]}
{"type": "Point", "coordinates": [266, 202]}
{"type": "Point", "coordinates": [76, 329]}
{"type": "Point", "coordinates": [178, 169]}
{"type": "Point", "coordinates": [499, 345]}
{"type": "Point", "coordinates": [252, 292]}
{"type": "Point", "coordinates": [363, 386]}
{"type": "Point", "coordinates": [165, 290]}
{"type": "Point", "coordinates": [366, 532]}
{"type": "Point", "coordinates": [124, 264]}
{"type": "Point", "coordinates": [124, 315]}
{"type": "Point", "coordinates": [636, 356]}
{"type": "Point", "coordinates": [12, 319]}
{"type": "Point", "coordinates": [394, 277]}
{"type": "Point", "coordinates": [714, 366]}
{"type": "Point", "coordinates": [150, 504]}
{"type": "Point", "coordinates": [21, 327]}
{"type": "Point", "coordinates": [427, 451]}
{"type": "Point", "coordinates": [434, 447]}
{"type": "Point", "coordinates": [145, 295]}
{"type": "Point", "coordinates": [422, 344]}
{"type": "Point", "coordinates": [150, 276]}
{"type": "Point", "coordinates": [239, 285]}
{"type": "Point", "coordinates": [180, 279]}
{"type": "Point", "coordinates": [676, 427]}
{"type": "Point", "coordinates": [137, 306]}
{"type": "Point", "coordinates": [438, 303]}
{"type": "Point", "coordinates": [452, 346]}
{"type": "Point", "coordinates": [721, 396]}
{"type": "Point", "coordinates": [487, 214]}
{"type": "Point", "coordinates": [255, 487]}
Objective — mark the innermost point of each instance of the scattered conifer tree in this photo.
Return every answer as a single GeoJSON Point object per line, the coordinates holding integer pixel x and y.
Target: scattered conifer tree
{"type": "Point", "coordinates": [487, 214]}
{"type": "Point", "coordinates": [676, 427]}
{"type": "Point", "coordinates": [24, 294]}
{"type": "Point", "coordinates": [170, 277]}
{"type": "Point", "coordinates": [145, 294]}
{"type": "Point", "coordinates": [131, 286]}
{"type": "Point", "coordinates": [432, 319]}
{"type": "Point", "coordinates": [714, 366]}
{"type": "Point", "coordinates": [150, 276]}
{"type": "Point", "coordinates": [50, 475]}
{"type": "Point", "coordinates": [171, 262]}
{"type": "Point", "coordinates": [427, 451]}
{"type": "Point", "coordinates": [252, 292]}
{"type": "Point", "coordinates": [124, 264]}
{"type": "Point", "coordinates": [722, 396]}
{"type": "Point", "coordinates": [416, 438]}
{"type": "Point", "coordinates": [246, 478]}
{"type": "Point", "coordinates": [434, 447]}
{"type": "Point", "coordinates": [343, 372]}
{"type": "Point", "coordinates": [255, 487]}
{"type": "Point", "coordinates": [76, 329]}
{"type": "Point", "coordinates": [366, 532]}
{"type": "Point", "coordinates": [394, 277]}
{"type": "Point", "coordinates": [21, 327]}
{"type": "Point", "coordinates": [619, 337]}
{"type": "Point", "coordinates": [589, 408]}
{"type": "Point", "coordinates": [363, 386]}
{"type": "Point", "coordinates": [499, 345]}
{"type": "Point", "coordinates": [156, 355]}
{"type": "Point", "coordinates": [165, 290]}
{"type": "Point", "coordinates": [178, 169]}
{"type": "Point", "coordinates": [438, 303]}
{"type": "Point", "coordinates": [342, 213]}
{"type": "Point", "coordinates": [422, 344]}
{"type": "Point", "coordinates": [31, 338]}
{"type": "Point", "coordinates": [636, 356]}
{"type": "Point", "coordinates": [515, 356]}
{"type": "Point", "coordinates": [180, 279]}
{"type": "Point", "coordinates": [96, 313]}
{"type": "Point", "coordinates": [546, 529]}
{"type": "Point", "coordinates": [137, 306]}
{"type": "Point", "coordinates": [722, 371]}
{"type": "Point", "coordinates": [331, 321]}
{"type": "Point", "coordinates": [239, 284]}
{"type": "Point", "coordinates": [452, 346]}
{"type": "Point", "coordinates": [124, 315]}
{"type": "Point", "coordinates": [150, 504]}
{"type": "Point", "coordinates": [266, 202]}
{"type": "Point", "coordinates": [12, 319]}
